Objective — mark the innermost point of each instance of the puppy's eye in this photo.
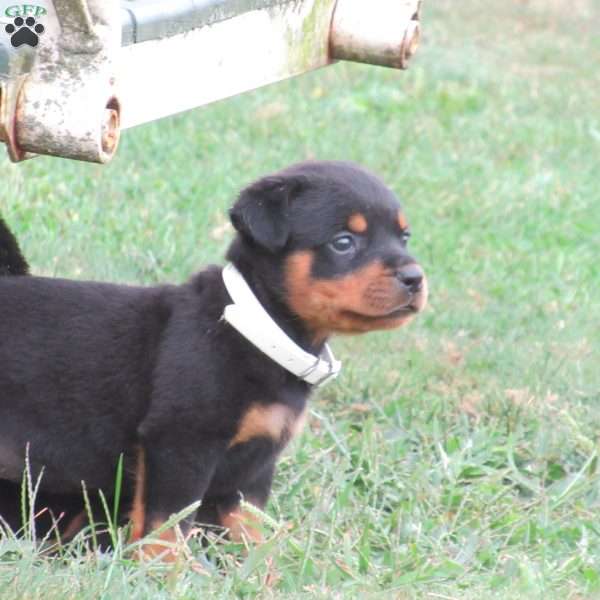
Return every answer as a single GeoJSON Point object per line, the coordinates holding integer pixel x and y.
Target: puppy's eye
{"type": "Point", "coordinates": [405, 235]}
{"type": "Point", "coordinates": [343, 244]}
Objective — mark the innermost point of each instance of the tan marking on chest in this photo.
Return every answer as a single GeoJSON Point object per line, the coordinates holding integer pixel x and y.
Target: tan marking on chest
{"type": "Point", "coordinates": [298, 425]}
{"type": "Point", "coordinates": [276, 421]}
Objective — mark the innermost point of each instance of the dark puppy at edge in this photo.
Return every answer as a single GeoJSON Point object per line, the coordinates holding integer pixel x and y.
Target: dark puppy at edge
{"type": "Point", "coordinates": [12, 261]}
{"type": "Point", "coordinates": [52, 507]}
{"type": "Point", "coordinates": [92, 370]}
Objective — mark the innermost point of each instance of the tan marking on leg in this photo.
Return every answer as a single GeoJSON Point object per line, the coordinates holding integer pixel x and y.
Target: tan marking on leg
{"type": "Point", "coordinates": [167, 551]}
{"type": "Point", "coordinates": [357, 223]}
{"type": "Point", "coordinates": [402, 222]}
{"type": "Point", "coordinates": [270, 421]}
{"type": "Point", "coordinates": [138, 510]}
{"type": "Point", "coordinates": [75, 525]}
{"type": "Point", "coordinates": [242, 525]}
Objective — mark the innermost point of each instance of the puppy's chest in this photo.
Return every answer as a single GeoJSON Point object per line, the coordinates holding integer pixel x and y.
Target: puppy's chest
{"type": "Point", "coordinates": [262, 433]}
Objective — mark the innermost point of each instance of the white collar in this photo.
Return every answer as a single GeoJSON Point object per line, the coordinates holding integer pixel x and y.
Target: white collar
{"type": "Point", "coordinates": [248, 316]}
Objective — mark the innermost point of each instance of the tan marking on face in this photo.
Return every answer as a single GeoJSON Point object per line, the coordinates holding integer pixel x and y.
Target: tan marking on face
{"type": "Point", "coordinates": [358, 302]}
{"type": "Point", "coordinates": [357, 223]}
{"type": "Point", "coordinates": [275, 421]}
{"type": "Point", "coordinates": [242, 525]}
{"type": "Point", "coordinates": [137, 515]}
{"type": "Point", "coordinates": [402, 222]}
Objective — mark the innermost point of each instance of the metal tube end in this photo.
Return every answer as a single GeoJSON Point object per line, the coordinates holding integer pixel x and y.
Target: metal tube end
{"type": "Point", "coordinates": [380, 32]}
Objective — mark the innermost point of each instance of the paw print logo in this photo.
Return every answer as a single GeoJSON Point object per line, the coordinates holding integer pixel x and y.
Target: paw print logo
{"type": "Point", "coordinates": [24, 31]}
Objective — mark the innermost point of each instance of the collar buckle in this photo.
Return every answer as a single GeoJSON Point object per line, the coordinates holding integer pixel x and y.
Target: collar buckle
{"type": "Point", "coordinates": [329, 376]}
{"type": "Point", "coordinates": [325, 361]}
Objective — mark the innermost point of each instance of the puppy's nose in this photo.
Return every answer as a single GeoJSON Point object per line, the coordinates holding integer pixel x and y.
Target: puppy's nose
{"type": "Point", "coordinates": [411, 276]}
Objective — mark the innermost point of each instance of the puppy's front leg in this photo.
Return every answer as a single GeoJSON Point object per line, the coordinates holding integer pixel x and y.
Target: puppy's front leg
{"type": "Point", "coordinates": [170, 475]}
{"type": "Point", "coordinates": [226, 510]}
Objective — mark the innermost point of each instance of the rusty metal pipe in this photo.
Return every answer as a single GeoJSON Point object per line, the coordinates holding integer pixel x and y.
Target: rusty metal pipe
{"type": "Point", "coordinates": [66, 106]}
{"type": "Point", "coordinates": [83, 124]}
{"type": "Point", "coordinates": [378, 32]}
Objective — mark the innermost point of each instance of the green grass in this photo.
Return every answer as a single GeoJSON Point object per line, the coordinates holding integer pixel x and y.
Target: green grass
{"type": "Point", "coordinates": [457, 458]}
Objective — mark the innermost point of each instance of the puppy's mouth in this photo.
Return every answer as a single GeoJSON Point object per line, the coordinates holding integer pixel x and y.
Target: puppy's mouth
{"type": "Point", "coordinates": [397, 313]}
{"type": "Point", "coordinates": [409, 309]}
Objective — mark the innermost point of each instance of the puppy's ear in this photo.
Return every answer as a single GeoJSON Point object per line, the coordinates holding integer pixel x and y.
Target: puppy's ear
{"type": "Point", "coordinates": [261, 213]}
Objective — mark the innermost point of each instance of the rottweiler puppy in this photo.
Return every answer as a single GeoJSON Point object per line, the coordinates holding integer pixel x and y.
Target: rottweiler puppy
{"type": "Point", "coordinates": [200, 386]}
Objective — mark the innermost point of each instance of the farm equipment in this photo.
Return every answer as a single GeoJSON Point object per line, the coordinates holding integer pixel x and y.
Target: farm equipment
{"type": "Point", "coordinates": [74, 73]}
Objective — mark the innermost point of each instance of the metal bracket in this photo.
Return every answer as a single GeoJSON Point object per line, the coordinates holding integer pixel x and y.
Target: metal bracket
{"type": "Point", "coordinates": [378, 32]}
{"type": "Point", "coordinates": [67, 104]}
{"type": "Point", "coordinates": [9, 97]}
{"type": "Point", "coordinates": [106, 65]}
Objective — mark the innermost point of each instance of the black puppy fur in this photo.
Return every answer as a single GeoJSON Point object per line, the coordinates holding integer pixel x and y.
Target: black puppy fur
{"type": "Point", "coordinates": [53, 506]}
{"type": "Point", "coordinates": [91, 370]}
{"type": "Point", "coordinates": [12, 261]}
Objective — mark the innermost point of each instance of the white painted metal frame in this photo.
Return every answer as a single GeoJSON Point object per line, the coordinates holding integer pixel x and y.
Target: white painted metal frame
{"type": "Point", "coordinates": [214, 62]}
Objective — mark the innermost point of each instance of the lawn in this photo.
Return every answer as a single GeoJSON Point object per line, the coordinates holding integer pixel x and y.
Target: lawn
{"type": "Point", "coordinates": [455, 458]}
